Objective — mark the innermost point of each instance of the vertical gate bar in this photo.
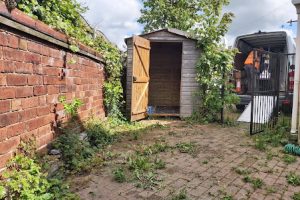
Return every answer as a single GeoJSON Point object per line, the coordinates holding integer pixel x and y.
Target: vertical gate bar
{"type": "Point", "coordinates": [252, 94]}
{"type": "Point", "coordinates": [278, 88]}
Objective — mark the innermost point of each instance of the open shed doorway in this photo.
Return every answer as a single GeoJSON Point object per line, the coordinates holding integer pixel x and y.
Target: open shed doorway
{"type": "Point", "coordinates": [165, 78]}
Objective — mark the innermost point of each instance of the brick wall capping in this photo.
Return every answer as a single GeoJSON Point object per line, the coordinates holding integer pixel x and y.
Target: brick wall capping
{"type": "Point", "coordinates": [22, 22]}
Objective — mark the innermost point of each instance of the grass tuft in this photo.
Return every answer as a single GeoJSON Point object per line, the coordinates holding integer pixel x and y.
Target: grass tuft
{"type": "Point", "coordinates": [293, 179]}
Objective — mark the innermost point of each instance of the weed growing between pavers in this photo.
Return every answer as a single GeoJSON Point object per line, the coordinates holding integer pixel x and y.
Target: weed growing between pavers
{"type": "Point", "coordinates": [139, 163]}
{"type": "Point", "coordinates": [182, 195]}
{"type": "Point", "coordinates": [119, 175]}
{"type": "Point", "coordinates": [141, 169]}
{"type": "Point", "coordinates": [289, 159]}
{"type": "Point", "coordinates": [156, 148]}
{"type": "Point", "coordinates": [241, 171]}
{"type": "Point", "coordinates": [189, 148]}
{"type": "Point", "coordinates": [205, 162]}
{"type": "Point", "coordinates": [273, 137]}
{"type": "Point", "coordinates": [271, 190]}
{"type": "Point", "coordinates": [293, 179]}
{"type": "Point", "coordinates": [159, 164]}
{"type": "Point", "coordinates": [271, 155]}
{"type": "Point", "coordinates": [149, 180]}
{"type": "Point", "coordinates": [255, 182]}
{"type": "Point", "coordinates": [227, 197]}
{"type": "Point", "coordinates": [296, 196]}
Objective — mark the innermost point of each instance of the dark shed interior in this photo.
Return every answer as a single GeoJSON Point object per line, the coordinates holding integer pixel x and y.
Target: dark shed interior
{"type": "Point", "coordinates": [165, 77]}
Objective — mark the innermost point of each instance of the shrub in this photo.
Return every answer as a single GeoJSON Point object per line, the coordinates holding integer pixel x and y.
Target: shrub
{"type": "Point", "coordinates": [75, 152]}
{"type": "Point", "coordinates": [98, 135]}
{"type": "Point", "coordinates": [24, 180]}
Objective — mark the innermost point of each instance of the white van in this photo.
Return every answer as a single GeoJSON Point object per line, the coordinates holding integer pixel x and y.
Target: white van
{"type": "Point", "coordinates": [280, 42]}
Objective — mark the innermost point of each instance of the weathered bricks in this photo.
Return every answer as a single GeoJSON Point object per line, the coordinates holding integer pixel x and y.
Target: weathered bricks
{"type": "Point", "coordinates": [4, 106]}
{"type": "Point", "coordinates": [31, 82]}
{"type": "Point", "coordinates": [16, 79]}
{"type": "Point", "coordinates": [39, 90]}
{"type": "Point", "coordinates": [24, 92]}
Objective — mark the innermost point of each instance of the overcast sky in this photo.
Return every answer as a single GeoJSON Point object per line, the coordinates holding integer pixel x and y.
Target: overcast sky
{"type": "Point", "coordinates": [117, 18]}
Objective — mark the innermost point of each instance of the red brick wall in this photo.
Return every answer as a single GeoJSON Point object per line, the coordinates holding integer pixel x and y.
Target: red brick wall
{"type": "Point", "coordinates": [30, 86]}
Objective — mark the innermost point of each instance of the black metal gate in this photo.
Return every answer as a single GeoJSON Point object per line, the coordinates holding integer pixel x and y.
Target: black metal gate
{"type": "Point", "coordinates": [264, 85]}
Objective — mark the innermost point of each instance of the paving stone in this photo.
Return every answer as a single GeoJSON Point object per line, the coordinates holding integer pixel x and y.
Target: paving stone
{"type": "Point", "coordinates": [223, 148]}
{"type": "Point", "coordinates": [257, 196]}
{"type": "Point", "coordinates": [198, 191]}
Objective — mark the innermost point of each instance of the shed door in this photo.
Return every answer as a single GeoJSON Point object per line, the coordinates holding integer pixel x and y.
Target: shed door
{"type": "Point", "coordinates": [140, 78]}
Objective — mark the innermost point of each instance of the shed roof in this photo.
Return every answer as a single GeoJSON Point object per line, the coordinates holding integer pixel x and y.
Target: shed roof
{"type": "Point", "coordinates": [170, 30]}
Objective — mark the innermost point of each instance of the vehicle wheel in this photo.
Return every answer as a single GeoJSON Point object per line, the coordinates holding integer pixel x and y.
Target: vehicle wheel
{"type": "Point", "coordinates": [240, 107]}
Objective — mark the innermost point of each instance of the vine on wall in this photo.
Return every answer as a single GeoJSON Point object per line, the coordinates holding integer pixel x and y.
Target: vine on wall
{"type": "Point", "coordinates": [66, 16]}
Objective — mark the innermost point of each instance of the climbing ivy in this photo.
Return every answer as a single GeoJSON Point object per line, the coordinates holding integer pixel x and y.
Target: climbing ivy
{"type": "Point", "coordinates": [66, 16]}
{"type": "Point", "coordinates": [216, 61]}
{"type": "Point", "coordinates": [206, 22]}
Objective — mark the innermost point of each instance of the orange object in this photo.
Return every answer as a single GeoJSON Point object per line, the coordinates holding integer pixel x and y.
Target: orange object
{"type": "Point", "coordinates": [238, 86]}
{"type": "Point", "coordinates": [250, 59]}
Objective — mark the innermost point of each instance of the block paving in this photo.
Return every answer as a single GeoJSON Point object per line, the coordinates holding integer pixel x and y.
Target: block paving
{"type": "Point", "coordinates": [210, 174]}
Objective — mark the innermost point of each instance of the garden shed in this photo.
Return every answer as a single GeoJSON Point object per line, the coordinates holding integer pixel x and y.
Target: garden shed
{"type": "Point", "coordinates": [161, 74]}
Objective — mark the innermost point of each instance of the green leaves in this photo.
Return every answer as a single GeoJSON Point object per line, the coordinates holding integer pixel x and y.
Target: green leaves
{"type": "Point", "coordinates": [216, 61]}
{"type": "Point", "coordinates": [65, 16]}
{"type": "Point", "coordinates": [71, 108]}
{"type": "Point", "coordinates": [206, 22]}
{"type": "Point", "coordinates": [24, 180]}
{"type": "Point", "coordinates": [180, 14]}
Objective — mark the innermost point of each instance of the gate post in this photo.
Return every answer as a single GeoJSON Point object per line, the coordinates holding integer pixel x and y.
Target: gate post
{"type": "Point", "coordinates": [295, 115]}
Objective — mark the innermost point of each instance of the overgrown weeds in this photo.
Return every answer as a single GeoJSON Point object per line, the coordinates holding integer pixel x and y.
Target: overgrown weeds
{"type": "Point", "coordinates": [296, 196]}
{"type": "Point", "coordinates": [156, 148]}
{"type": "Point", "coordinates": [24, 179]}
{"type": "Point", "coordinates": [159, 164]}
{"type": "Point", "coordinates": [241, 171]}
{"type": "Point", "coordinates": [75, 152]}
{"type": "Point", "coordinates": [273, 137]}
{"type": "Point", "coordinates": [119, 175]}
{"type": "Point", "coordinates": [289, 159]}
{"type": "Point", "coordinates": [182, 195]}
{"type": "Point", "coordinates": [227, 197]}
{"type": "Point", "coordinates": [255, 182]}
{"type": "Point", "coordinates": [146, 180]}
{"type": "Point", "coordinates": [98, 135]}
{"type": "Point", "coordinates": [293, 179]}
{"type": "Point", "coordinates": [189, 148]}
{"type": "Point", "coordinates": [141, 167]}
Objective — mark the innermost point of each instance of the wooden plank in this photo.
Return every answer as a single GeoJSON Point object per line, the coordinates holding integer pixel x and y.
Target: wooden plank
{"type": "Point", "coordinates": [129, 78]}
{"type": "Point", "coordinates": [164, 115]}
{"type": "Point", "coordinates": [137, 41]}
{"type": "Point", "coordinates": [165, 74]}
{"type": "Point", "coordinates": [140, 78]}
{"type": "Point", "coordinates": [189, 85]}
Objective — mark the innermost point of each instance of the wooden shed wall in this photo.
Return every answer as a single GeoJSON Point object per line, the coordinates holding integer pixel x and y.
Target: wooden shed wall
{"type": "Point", "coordinates": [165, 74]}
{"type": "Point", "coordinates": [190, 55]}
{"type": "Point", "coordinates": [129, 75]}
